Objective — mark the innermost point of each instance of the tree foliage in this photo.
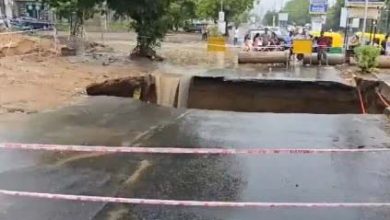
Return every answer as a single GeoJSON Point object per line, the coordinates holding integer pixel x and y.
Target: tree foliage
{"type": "Point", "coordinates": [334, 14]}
{"type": "Point", "coordinates": [298, 11]}
{"type": "Point", "coordinates": [151, 21]}
{"type": "Point", "coordinates": [181, 11]}
{"type": "Point", "coordinates": [384, 20]}
{"type": "Point", "coordinates": [77, 11]}
{"type": "Point", "coordinates": [241, 18]}
{"type": "Point", "coordinates": [208, 9]}
{"type": "Point", "coordinates": [269, 18]}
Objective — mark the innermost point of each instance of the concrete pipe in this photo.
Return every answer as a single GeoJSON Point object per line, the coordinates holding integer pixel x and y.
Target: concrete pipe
{"type": "Point", "coordinates": [263, 57]}
{"type": "Point", "coordinates": [384, 62]}
{"type": "Point", "coordinates": [333, 59]}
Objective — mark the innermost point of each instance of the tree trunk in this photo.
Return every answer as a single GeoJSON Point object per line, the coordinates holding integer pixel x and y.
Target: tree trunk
{"type": "Point", "coordinates": [144, 50]}
{"type": "Point", "coordinates": [77, 25]}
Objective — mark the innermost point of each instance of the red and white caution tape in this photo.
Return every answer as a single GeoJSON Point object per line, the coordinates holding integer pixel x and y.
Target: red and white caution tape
{"type": "Point", "coordinates": [170, 150]}
{"type": "Point", "coordinates": [384, 101]}
{"type": "Point", "coordinates": [188, 203]}
{"type": "Point", "coordinates": [361, 100]}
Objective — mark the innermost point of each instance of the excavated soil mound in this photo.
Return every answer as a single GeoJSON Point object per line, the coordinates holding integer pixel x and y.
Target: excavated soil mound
{"type": "Point", "coordinates": [17, 44]}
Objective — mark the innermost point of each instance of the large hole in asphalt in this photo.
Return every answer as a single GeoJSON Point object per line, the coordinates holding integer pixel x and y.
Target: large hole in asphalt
{"type": "Point", "coordinates": [273, 96]}
{"type": "Point", "coordinates": [276, 96]}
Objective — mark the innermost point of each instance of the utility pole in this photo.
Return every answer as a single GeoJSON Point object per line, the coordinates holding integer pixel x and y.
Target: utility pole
{"type": "Point", "coordinates": [273, 16]}
{"type": "Point", "coordinates": [365, 21]}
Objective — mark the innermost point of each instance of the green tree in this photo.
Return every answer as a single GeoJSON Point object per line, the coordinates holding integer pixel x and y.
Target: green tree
{"type": "Point", "coordinates": [241, 18]}
{"type": "Point", "coordinates": [77, 11]}
{"type": "Point", "coordinates": [151, 21]}
{"type": "Point", "coordinates": [269, 17]}
{"type": "Point", "coordinates": [298, 11]}
{"type": "Point", "coordinates": [384, 20]}
{"type": "Point", "coordinates": [209, 9]}
{"type": "Point", "coordinates": [334, 14]}
{"type": "Point", "coordinates": [181, 11]}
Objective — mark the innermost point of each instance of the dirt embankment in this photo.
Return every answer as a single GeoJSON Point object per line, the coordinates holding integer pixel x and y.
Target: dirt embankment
{"type": "Point", "coordinates": [33, 78]}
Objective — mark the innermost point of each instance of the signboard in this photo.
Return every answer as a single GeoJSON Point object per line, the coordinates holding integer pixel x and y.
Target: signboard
{"type": "Point", "coordinates": [319, 19]}
{"type": "Point", "coordinates": [362, 3]}
{"type": "Point", "coordinates": [317, 22]}
{"type": "Point", "coordinates": [344, 17]}
{"type": "Point", "coordinates": [222, 27]}
{"type": "Point", "coordinates": [221, 16]}
{"type": "Point", "coordinates": [316, 26]}
{"type": "Point", "coordinates": [318, 6]}
{"type": "Point", "coordinates": [283, 16]}
{"type": "Point", "coordinates": [372, 13]}
{"type": "Point", "coordinates": [355, 23]}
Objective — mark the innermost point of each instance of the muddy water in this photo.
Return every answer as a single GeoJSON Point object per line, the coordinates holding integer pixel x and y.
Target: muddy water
{"type": "Point", "coordinates": [166, 88]}
{"type": "Point", "coordinates": [273, 178]}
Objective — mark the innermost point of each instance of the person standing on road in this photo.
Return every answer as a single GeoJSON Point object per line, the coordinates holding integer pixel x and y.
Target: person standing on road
{"type": "Point", "coordinates": [355, 42]}
{"type": "Point", "coordinates": [274, 42]}
{"type": "Point", "coordinates": [257, 43]}
{"type": "Point", "coordinates": [322, 47]}
{"type": "Point", "coordinates": [247, 44]}
{"type": "Point", "coordinates": [265, 38]}
{"type": "Point", "coordinates": [288, 43]}
{"type": "Point", "coordinates": [204, 32]}
{"type": "Point", "coordinates": [384, 45]}
{"type": "Point", "coordinates": [236, 32]}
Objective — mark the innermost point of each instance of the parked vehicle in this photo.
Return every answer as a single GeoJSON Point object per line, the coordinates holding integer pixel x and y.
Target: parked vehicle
{"type": "Point", "coordinates": [28, 23]}
{"type": "Point", "coordinates": [194, 27]}
{"type": "Point", "coordinates": [280, 33]}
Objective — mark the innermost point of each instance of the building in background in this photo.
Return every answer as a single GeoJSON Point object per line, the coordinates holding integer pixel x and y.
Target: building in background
{"type": "Point", "coordinates": [23, 8]}
{"type": "Point", "coordinates": [30, 8]}
{"type": "Point", "coordinates": [7, 8]}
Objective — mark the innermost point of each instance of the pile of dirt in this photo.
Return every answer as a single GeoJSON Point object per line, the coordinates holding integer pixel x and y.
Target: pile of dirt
{"type": "Point", "coordinates": [139, 87]}
{"type": "Point", "coordinates": [18, 44]}
{"type": "Point", "coordinates": [94, 47]}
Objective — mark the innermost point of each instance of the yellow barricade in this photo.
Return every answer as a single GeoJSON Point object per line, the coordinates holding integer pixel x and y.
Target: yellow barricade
{"type": "Point", "coordinates": [216, 44]}
{"type": "Point", "coordinates": [302, 46]}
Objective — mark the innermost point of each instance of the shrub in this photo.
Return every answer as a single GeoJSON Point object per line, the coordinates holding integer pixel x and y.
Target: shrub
{"type": "Point", "coordinates": [367, 57]}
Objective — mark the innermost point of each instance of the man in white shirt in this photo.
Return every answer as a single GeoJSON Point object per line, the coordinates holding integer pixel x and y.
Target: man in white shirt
{"type": "Point", "coordinates": [236, 32]}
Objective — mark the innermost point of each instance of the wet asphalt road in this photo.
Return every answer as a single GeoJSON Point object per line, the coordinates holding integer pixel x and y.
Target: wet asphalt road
{"type": "Point", "coordinates": [270, 178]}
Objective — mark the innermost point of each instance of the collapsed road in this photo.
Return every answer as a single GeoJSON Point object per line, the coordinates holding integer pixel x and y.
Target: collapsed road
{"type": "Point", "coordinates": [114, 121]}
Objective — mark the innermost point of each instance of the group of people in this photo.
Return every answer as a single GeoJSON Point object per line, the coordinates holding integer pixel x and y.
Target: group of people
{"type": "Point", "coordinates": [271, 42]}
{"type": "Point", "coordinates": [263, 42]}
{"type": "Point", "coordinates": [383, 45]}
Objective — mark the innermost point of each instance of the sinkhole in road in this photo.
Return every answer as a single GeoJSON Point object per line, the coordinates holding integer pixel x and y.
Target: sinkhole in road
{"type": "Point", "coordinates": [245, 95]}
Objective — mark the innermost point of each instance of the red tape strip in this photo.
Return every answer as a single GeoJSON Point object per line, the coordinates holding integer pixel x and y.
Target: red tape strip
{"type": "Point", "coordinates": [170, 150]}
{"type": "Point", "coordinates": [137, 201]}
{"type": "Point", "coordinates": [382, 99]}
